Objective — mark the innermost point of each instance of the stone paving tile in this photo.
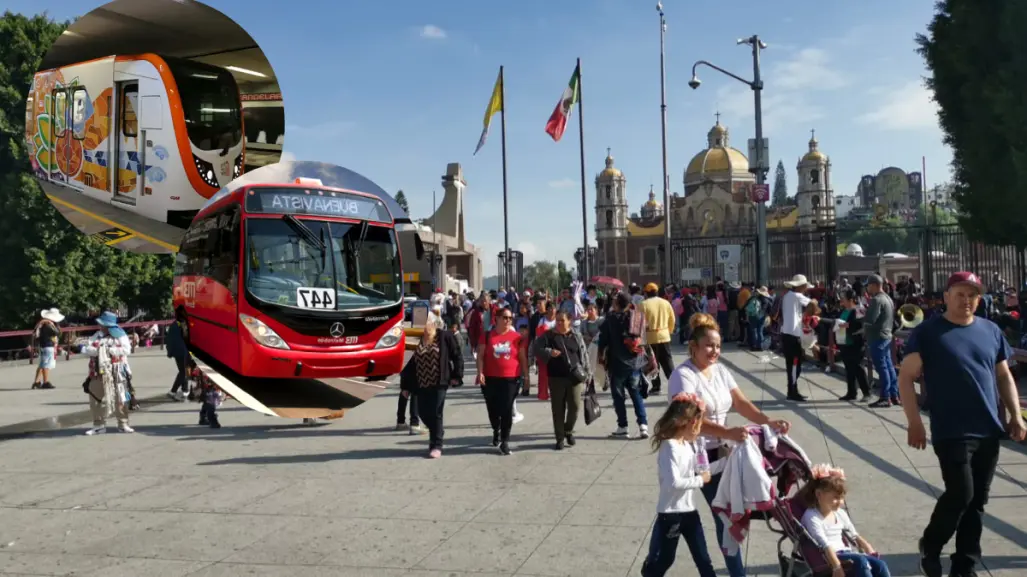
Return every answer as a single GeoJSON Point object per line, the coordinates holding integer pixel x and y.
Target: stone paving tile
{"type": "Point", "coordinates": [266, 497]}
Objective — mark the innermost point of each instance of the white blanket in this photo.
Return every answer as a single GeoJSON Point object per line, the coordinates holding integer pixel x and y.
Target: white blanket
{"type": "Point", "coordinates": [744, 487]}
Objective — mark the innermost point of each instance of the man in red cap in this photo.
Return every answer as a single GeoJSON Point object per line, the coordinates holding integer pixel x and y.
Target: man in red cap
{"type": "Point", "coordinates": [964, 363]}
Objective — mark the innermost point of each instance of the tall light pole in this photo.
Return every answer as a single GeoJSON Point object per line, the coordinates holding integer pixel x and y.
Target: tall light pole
{"type": "Point", "coordinates": [756, 85]}
{"type": "Point", "coordinates": [668, 273]}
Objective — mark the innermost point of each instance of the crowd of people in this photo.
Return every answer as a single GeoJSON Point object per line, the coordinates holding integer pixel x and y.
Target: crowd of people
{"type": "Point", "coordinates": [582, 339]}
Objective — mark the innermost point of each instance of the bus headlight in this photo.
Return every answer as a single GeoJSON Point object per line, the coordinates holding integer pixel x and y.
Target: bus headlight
{"type": "Point", "coordinates": [391, 337]}
{"type": "Point", "coordinates": [262, 333]}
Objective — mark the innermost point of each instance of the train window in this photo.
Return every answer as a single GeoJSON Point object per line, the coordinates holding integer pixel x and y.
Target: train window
{"type": "Point", "coordinates": [60, 111]}
{"type": "Point", "coordinates": [78, 113]}
{"type": "Point", "coordinates": [129, 102]}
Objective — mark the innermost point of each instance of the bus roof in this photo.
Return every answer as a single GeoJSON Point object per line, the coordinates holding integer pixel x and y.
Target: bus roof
{"type": "Point", "coordinates": [331, 176]}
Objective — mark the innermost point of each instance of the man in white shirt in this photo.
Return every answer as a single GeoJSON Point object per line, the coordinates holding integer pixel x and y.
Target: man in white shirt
{"type": "Point", "coordinates": [793, 304]}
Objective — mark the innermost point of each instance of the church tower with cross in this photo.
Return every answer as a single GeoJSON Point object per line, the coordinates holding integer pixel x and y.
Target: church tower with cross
{"type": "Point", "coordinates": [814, 195]}
{"type": "Point", "coordinates": [612, 222]}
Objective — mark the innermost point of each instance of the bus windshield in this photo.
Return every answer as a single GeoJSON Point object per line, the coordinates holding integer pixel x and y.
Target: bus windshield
{"type": "Point", "coordinates": [210, 104]}
{"type": "Point", "coordinates": [321, 265]}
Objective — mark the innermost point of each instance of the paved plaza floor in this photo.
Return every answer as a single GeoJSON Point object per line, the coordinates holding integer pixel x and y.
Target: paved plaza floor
{"type": "Point", "coordinates": [268, 497]}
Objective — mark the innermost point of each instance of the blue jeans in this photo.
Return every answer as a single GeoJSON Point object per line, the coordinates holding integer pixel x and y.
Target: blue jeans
{"type": "Point", "coordinates": [756, 332]}
{"type": "Point", "coordinates": [627, 382]}
{"type": "Point", "coordinates": [663, 545]}
{"type": "Point", "coordinates": [880, 353]}
{"type": "Point", "coordinates": [735, 566]}
{"type": "Point", "coordinates": [865, 565]}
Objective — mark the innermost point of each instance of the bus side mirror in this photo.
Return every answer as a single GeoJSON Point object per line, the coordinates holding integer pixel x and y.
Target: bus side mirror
{"type": "Point", "coordinates": [418, 247]}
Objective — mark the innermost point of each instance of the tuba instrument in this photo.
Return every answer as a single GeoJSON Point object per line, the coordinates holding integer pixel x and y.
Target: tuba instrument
{"type": "Point", "coordinates": [911, 315]}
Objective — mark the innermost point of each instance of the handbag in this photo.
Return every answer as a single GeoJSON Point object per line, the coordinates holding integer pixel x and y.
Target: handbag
{"type": "Point", "coordinates": [591, 404]}
{"type": "Point", "coordinates": [578, 373]}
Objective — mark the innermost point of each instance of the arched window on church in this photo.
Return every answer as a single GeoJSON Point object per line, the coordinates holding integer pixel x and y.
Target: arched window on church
{"type": "Point", "coordinates": [814, 176]}
{"type": "Point", "coordinates": [609, 190]}
{"type": "Point", "coordinates": [609, 219]}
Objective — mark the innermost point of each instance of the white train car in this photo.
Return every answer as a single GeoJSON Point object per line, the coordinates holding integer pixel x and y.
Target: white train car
{"type": "Point", "coordinates": [152, 135]}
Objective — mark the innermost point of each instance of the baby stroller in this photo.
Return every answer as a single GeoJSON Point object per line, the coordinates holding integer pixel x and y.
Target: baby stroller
{"type": "Point", "coordinates": [798, 554]}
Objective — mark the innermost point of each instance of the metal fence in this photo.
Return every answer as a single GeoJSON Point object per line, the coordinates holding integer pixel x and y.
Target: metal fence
{"type": "Point", "coordinates": [931, 252]}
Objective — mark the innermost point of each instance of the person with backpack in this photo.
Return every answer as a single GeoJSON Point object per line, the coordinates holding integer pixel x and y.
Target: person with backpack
{"type": "Point", "coordinates": [756, 310]}
{"type": "Point", "coordinates": [622, 353]}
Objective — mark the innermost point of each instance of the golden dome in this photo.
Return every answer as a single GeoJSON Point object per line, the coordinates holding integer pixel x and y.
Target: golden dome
{"type": "Point", "coordinates": [814, 153]}
{"type": "Point", "coordinates": [652, 199]}
{"type": "Point", "coordinates": [610, 171]}
{"type": "Point", "coordinates": [719, 160]}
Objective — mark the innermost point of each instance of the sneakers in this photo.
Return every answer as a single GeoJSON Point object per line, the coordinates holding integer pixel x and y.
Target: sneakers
{"type": "Point", "coordinates": [621, 432]}
{"type": "Point", "coordinates": [930, 565]}
{"type": "Point", "coordinates": [517, 418]}
{"type": "Point", "coordinates": [881, 403]}
{"type": "Point", "coordinates": [126, 429]}
{"type": "Point", "coordinates": [96, 431]}
{"type": "Point", "coordinates": [643, 431]}
{"type": "Point", "coordinates": [435, 453]}
{"type": "Point", "coordinates": [417, 430]}
{"type": "Point", "coordinates": [504, 448]}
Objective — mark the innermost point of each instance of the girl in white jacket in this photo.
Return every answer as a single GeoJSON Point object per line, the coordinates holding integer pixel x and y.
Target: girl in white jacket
{"type": "Point", "coordinates": [683, 470]}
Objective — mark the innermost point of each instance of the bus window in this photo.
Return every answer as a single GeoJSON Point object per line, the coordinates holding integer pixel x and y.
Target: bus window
{"type": "Point", "coordinates": [78, 113]}
{"type": "Point", "coordinates": [225, 256]}
{"type": "Point", "coordinates": [60, 111]}
{"type": "Point", "coordinates": [129, 101]}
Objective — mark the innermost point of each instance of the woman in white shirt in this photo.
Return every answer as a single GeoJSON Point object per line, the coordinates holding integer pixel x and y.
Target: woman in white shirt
{"type": "Point", "coordinates": [703, 376]}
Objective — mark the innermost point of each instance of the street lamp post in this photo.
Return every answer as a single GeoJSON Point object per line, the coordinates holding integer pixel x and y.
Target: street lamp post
{"type": "Point", "coordinates": [668, 274]}
{"type": "Point", "coordinates": [756, 85]}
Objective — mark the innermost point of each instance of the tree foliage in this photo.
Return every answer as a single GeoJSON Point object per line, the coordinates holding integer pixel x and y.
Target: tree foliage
{"type": "Point", "coordinates": [894, 235]}
{"type": "Point", "coordinates": [976, 51]}
{"type": "Point", "coordinates": [780, 196]}
{"type": "Point", "coordinates": [46, 261]}
{"type": "Point", "coordinates": [541, 275]}
{"type": "Point", "coordinates": [401, 200]}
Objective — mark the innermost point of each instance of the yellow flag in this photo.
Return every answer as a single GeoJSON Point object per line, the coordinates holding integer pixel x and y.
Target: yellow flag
{"type": "Point", "coordinates": [495, 105]}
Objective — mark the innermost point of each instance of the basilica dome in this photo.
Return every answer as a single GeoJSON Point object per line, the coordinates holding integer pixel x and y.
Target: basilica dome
{"type": "Point", "coordinates": [718, 162]}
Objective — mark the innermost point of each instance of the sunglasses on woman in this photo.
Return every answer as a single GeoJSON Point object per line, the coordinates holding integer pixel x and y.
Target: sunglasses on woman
{"type": "Point", "coordinates": [506, 317]}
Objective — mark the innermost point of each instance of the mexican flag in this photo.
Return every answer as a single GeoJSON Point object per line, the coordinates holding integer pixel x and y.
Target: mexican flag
{"type": "Point", "coordinates": [558, 121]}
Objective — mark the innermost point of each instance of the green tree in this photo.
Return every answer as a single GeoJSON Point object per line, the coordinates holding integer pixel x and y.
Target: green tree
{"type": "Point", "coordinates": [401, 200]}
{"type": "Point", "coordinates": [977, 54]}
{"type": "Point", "coordinates": [46, 261]}
{"type": "Point", "coordinates": [894, 235]}
{"type": "Point", "coordinates": [780, 196]}
{"type": "Point", "coordinates": [541, 275]}
{"type": "Point", "coordinates": [564, 276]}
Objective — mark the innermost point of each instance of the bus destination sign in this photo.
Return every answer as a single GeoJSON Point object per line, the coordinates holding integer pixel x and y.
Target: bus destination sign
{"type": "Point", "coordinates": [298, 201]}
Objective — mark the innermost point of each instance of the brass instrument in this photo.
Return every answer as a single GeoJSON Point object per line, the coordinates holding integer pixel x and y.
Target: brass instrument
{"type": "Point", "coordinates": [911, 315]}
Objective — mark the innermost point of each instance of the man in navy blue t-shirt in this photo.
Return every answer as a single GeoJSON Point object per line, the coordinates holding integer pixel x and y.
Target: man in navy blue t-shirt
{"type": "Point", "coordinates": [964, 363]}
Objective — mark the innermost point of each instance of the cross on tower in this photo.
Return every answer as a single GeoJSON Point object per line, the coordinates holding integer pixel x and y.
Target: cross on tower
{"type": "Point", "coordinates": [607, 151]}
{"type": "Point", "coordinates": [813, 134]}
{"type": "Point", "coordinates": [718, 116]}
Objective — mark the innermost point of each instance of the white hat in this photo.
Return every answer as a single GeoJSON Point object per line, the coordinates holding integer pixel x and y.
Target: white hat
{"type": "Point", "coordinates": [53, 314]}
{"type": "Point", "coordinates": [797, 281]}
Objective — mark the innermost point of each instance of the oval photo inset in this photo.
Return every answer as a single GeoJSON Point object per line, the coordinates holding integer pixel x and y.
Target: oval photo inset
{"type": "Point", "coordinates": [136, 119]}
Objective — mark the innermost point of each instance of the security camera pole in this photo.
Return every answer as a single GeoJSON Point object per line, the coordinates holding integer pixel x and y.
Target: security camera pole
{"type": "Point", "coordinates": [763, 262]}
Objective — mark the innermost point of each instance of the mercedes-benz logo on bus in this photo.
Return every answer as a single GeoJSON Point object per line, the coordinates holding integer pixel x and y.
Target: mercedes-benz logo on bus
{"type": "Point", "coordinates": [337, 330]}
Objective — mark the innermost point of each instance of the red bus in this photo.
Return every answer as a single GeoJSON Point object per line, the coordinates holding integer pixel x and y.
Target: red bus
{"type": "Point", "coordinates": [296, 280]}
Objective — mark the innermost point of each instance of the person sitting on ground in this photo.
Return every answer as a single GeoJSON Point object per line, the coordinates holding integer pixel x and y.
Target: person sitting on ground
{"type": "Point", "coordinates": [830, 526]}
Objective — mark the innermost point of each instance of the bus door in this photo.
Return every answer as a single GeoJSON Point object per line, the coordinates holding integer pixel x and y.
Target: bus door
{"type": "Point", "coordinates": [68, 130]}
{"type": "Point", "coordinates": [125, 184]}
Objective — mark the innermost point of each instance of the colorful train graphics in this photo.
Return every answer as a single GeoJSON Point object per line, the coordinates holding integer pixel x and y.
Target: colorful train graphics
{"type": "Point", "coordinates": [156, 136]}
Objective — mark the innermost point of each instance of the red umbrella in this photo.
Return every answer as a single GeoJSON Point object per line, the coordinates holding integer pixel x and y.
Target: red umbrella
{"type": "Point", "coordinates": [607, 281]}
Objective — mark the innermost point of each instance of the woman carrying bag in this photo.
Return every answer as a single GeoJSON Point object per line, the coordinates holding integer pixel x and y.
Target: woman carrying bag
{"type": "Point", "coordinates": [565, 355]}
{"type": "Point", "coordinates": [439, 365]}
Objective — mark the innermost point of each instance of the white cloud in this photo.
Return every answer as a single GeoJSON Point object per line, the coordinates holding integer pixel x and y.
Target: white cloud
{"type": "Point", "coordinates": [787, 93]}
{"type": "Point", "coordinates": [563, 183]}
{"type": "Point", "coordinates": [906, 107]}
{"type": "Point", "coordinates": [432, 32]}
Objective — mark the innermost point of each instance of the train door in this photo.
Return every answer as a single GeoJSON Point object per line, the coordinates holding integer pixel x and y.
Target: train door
{"type": "Point", "coordinates": [68, 130]}
{"type": "Point", "coordinates": [125, 183]}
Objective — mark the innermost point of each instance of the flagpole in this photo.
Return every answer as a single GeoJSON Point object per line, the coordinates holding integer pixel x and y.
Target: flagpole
{"type": "Point", "coordinates": [584, 191]}
{"type": "Point", "coordinates": [506, 216]}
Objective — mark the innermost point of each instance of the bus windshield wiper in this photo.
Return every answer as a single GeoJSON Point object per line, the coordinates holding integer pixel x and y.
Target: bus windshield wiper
{"type": "Point", "coordinates": [303, 231]}
{"type": "Point", "coordinates": [360, 241]}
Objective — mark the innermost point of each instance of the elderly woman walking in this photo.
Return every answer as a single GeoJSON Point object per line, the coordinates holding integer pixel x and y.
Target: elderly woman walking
{"type": "Point", "coordinates": [565, 355]}
{"type": "Point", "coordinates": [439, 365]}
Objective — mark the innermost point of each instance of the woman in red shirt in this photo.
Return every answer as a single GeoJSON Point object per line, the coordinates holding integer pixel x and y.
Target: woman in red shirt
{"type": "Point", "coordinates": [502, 364]}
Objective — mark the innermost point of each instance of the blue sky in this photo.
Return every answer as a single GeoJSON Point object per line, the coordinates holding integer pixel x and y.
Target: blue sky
{"type": "Point", "coordinates": [396, 89]}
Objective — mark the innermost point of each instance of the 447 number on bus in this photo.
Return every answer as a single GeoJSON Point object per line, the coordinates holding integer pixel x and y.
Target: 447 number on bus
{"type": "Point", "coordinates": [315, 298]}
